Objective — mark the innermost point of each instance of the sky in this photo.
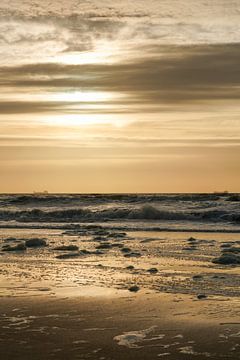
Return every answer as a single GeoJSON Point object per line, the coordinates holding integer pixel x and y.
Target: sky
{"type": "Point", "coordinates": [119, 96]}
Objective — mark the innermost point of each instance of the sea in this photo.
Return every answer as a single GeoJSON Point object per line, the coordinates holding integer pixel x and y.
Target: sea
{"type": "Point", "coordinates": [213, 212]}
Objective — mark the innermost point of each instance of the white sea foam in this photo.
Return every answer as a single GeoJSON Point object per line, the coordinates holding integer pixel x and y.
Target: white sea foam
{"type": "Point", "coordinates": [211, 211]}
{"type": "Point", "coordinates": [132, 339]}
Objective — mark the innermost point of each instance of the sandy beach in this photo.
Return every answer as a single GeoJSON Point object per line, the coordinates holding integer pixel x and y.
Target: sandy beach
{"type": "Point", "coordinates": [144, 295]}
{"type": "Point", "coordinates": [143, 326]}
{"type": "Point", "coordinates": [119, 180]}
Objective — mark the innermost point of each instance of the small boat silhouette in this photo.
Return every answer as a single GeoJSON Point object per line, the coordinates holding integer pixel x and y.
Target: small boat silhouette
{"type": "Point", "coordinates": [45, 192]}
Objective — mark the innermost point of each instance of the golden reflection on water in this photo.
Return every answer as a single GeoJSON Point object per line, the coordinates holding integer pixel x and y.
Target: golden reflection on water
{"type": "Point", "coordinates": [175, 266]}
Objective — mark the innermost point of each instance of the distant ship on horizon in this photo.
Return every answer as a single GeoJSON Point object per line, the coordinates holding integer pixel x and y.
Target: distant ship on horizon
{"type": "Point", "coordinates": [221, 192]}
{"type": "Point", "coordinates": [45, 192]}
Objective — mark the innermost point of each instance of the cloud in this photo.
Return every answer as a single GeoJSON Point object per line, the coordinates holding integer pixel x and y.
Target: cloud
{"type": "Point", "coordinates": [38, 32]}
{"type": "Point", "coordinates": [146, 66]}
{"type": "Point", "coordinates": [170, 76]}
{"type": "Point", "coordinates": [164, 8]}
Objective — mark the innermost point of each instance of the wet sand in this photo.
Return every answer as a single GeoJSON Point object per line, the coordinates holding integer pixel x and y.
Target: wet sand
{"type": "Point", "coordinates": [121, 326]}
{"type": "Point", "coordinates": [81, 308]}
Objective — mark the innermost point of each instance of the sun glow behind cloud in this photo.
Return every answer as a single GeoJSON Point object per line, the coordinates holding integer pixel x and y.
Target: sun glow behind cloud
{"type": "Point", "coordinates": [97, 56]}
{"type": "Point", "coordinates": [79, 120]}
{"type": "Point", "coordinates": [83, 96]}
{"type": "Point", "coordinates": [143, 82]}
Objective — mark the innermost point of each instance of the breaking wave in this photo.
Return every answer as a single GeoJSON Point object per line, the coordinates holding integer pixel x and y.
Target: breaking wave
{"type": "Point", "coordinates": [55, 199]}
{"type": "Point", "coordinates": [146, 212]}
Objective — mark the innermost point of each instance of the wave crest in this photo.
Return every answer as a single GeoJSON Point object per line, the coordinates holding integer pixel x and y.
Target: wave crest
{"type": "Point", "coordinates": [146, 212]}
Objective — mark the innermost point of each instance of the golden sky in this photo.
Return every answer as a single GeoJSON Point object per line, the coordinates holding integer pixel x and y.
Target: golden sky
{"type": "Point", "coordinates": [126, 96]}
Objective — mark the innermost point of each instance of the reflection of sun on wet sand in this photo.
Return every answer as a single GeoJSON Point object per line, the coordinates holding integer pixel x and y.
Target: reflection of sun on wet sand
{"type": "Point", "coordinates": [94, 293]}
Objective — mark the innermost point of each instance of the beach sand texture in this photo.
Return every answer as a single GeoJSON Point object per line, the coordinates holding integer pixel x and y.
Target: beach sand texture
{"type": "Point", "coordinates": [123, 288]}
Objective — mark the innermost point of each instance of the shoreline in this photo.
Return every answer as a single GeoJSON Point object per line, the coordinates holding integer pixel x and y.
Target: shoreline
{"type": "Point", "coordinates": [78, 226]}
{"type": "Point", "coordinates": [143, 326]}
{"type": "Point", "coordinates": [185, 306]}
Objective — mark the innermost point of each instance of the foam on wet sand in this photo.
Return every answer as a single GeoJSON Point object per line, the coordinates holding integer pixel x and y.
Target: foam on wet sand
{"type": "Point", "coordinates": [183, 304]}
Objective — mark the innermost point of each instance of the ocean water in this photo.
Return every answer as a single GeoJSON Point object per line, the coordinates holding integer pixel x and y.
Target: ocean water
{"type": "Point", "coordinates": [166, 212]}
{"type": "Point", "coordinates": [113, 241]}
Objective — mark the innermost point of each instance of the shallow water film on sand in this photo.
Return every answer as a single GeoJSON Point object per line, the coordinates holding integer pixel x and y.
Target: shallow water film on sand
{"type": "Point", "coordinates": [120, 276]}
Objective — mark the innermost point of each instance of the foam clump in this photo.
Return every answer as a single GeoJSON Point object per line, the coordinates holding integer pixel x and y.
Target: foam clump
{"type": "Point", "coordinates": [35, 242]}
{"type": "Point", "coordinates": [234, 250]}
{"type": "Point", "coordinates": [201, 296]}
{"type": "Point", "coordinates": [134, 288]}
{"type": "Point", "coordinates": [66, 248]}
{"type": "Point", "coordinates": [132, 339]}
{"type": "Point", "coordinates": [152, 270]}
{"type": "Point", "coordinates": [18, 247]}
{"type": "Point", "coordinates": [104, 246]}
{"type": "Point", "coordinates": [227, 259]}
